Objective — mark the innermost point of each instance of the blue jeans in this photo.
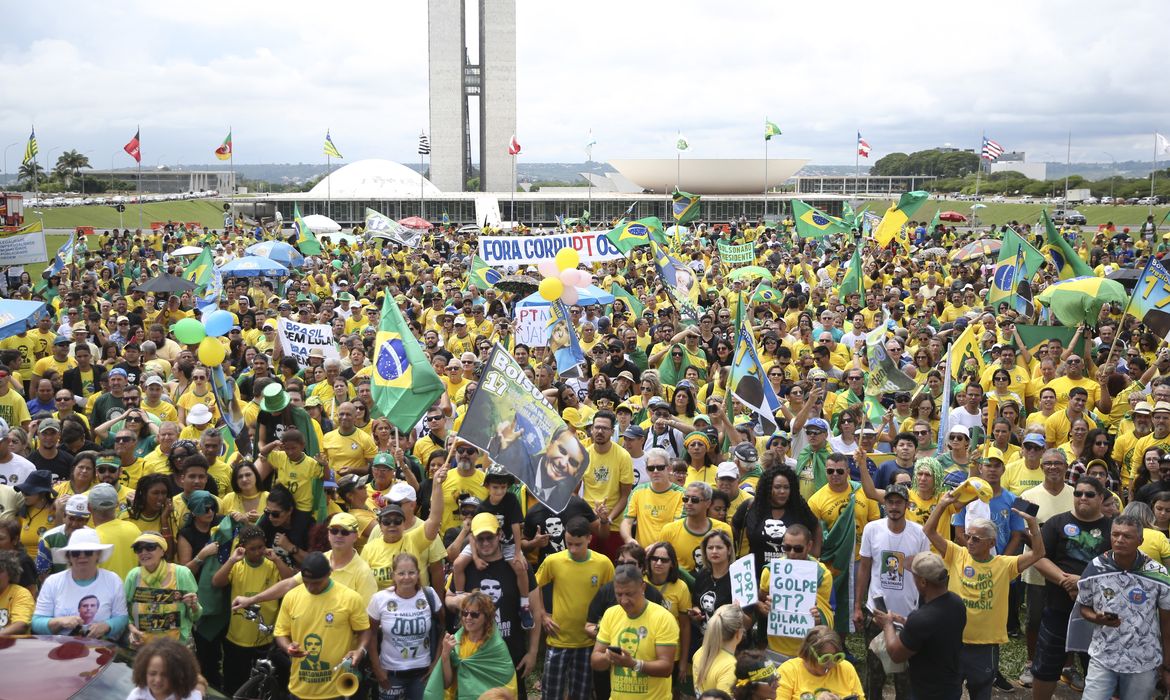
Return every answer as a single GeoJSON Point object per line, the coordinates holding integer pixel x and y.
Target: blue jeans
{"type": "Point", "coordinates": [404, 686]}
{"type": "Point", "coordinates": [1102, 683]}
{"type": "Point", "coordinates": [980, 662]}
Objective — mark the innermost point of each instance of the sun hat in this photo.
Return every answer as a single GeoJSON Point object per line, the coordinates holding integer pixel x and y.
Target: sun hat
{"type": "Point", "coordinates": [199, 414]}
{"type": "Point", "coordinates": [38, 482]}
{"type": "Point", "coordinates": [83, 540]}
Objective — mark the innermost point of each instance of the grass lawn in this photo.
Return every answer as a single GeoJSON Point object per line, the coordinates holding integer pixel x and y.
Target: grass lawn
{"type": "Point", "coordinates": [208, 212]}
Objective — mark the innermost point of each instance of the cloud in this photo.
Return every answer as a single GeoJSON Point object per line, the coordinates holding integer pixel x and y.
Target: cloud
{"type": "Point", "coordinates": [909, 76]}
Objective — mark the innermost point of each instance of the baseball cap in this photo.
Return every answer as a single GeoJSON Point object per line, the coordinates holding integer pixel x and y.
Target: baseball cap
{"type": "Point", "coordinates": [401, 491]}
{"type": "Point", "coordinates": [994, 453]}
{"type": "Point", "coordinates": [484, 522]}
{"type": "Point", "coordinates": [118, 372]}
{"type": "Point", "coordinates": [315, 565]}
{"type": "Point", "coordinates": [392, 509]}
{"type": "Point", "coordinates": [1035, 439]}
{"type": "Point", "coordinates": [657, 402]}
{"type": "Point", "coordinates": [930, 567]}
{"type": "Point", "coordinates": [78, 505]}
{"type": "Point", "coordinates": [898, 490]}
{"type": "Point", "coordinates": [962, 430]}
{"type": "Point", "coordinates": [746, 452]}
{"type": "Point", "coordinates": [634, 432]}
{"type": "Point", "coordinates": [819, 424]}
{"type": "Point", "coordinates": [48, 424]}
{"type": "Point", "coordinates": [103, 497]}
{"type": "Point", "coordinates": [344, 520]}
{"type": "Point", "coordinates": [61, 340]}
{"type": "Point", "coordinates": [727, 470]}
{"type": "Point", "coordinates": [153, 380]}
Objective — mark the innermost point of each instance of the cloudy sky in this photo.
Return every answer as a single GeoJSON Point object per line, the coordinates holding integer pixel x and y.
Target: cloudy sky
{"type": "Point", "coordinates": [908, 75]}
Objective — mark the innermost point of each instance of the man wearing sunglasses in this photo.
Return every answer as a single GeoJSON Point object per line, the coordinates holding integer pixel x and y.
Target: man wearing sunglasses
{"type": "Point", "coordinates": [797, 546]}
{"type": "Point", "coordinates": [1071, 539]}
{"type": "Point", "coordinates": [836, 499]}
{"type": "Point", "coordinates": [397, 537]}
{"type": "Point", "coordinates": [687, 533]}
{"type": "Point", "coordinates": [652, 505]}
{"type": "Point", "coordinates": [462, 481]}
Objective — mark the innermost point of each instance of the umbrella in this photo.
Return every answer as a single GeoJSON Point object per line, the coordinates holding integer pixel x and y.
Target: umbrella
{"type": "Point", "coordinates": [978, 206]}
{"type": "Point", "coordinates": [984, 247]}
{"type": "Point", "coordinates": [416, 222]}
{"type": "Point", "coordinates": [518, 284]}
{"type": "Point", "coordinates": [277, 251]}
{"type": "Point", "coordinates": [167, 283]}
{"type": "Point", "coordinates": [750, 272]}
{"type": "Point", "coordinates": [253, 266]}
{"type": "Point", "coordinates": [935, 252]}
{"type": "Point", "coordinates": [188, 250]}
{"type": "Point", "coordinates": [586, 296]}
{"type": "Point", "coordinates": [319, 223]}
{"type": "Point", "coordinates": [18, 316]}
{"type": "Point", "coordinates": [1128, 277]}
{"type": "Point", "coordinates": [951, 216]}
{"type": "Point", "coordinates": [1079, 300]}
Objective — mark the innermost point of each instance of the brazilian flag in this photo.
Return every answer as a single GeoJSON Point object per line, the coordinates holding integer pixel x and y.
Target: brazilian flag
{"type": "Point", "coordinates": [1061, 255]}
{"type": "Point", "coordinates": [852, 283]}
{"type": "Point", "coordinates": [814, 223]}
{"type": "Point", "coordinates": [685, 206]}
{"type": "Point", "coordinates": [632, 234]}
{"type": "Point", "coordinates": [765, 294]}
{"type": "Point", "coordinates": [307, 241]}
{"type": "Point", "coordinates": [636, 307]}
{"type": "Point", "coordinates": [200, 270]}
{"type": "Point", "coordinates": [481, 275]}
{"type": "Point", "coordinates": [404, 385]}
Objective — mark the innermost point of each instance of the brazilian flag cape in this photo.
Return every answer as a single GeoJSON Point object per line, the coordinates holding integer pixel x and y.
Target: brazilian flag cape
{"type": "Point", "coordinates": [837, 553]}
{"type": "Point", "coordinates": [489, 667]}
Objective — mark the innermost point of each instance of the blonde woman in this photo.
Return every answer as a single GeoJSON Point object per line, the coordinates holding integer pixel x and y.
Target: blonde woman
{"type": "Point", "coordinates": [713, 665]}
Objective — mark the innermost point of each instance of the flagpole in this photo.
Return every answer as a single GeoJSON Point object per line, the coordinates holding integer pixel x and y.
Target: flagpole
{"type": "Point", "coordinates": [765, 170]}
{"type": "Point", "coordinates": [857, 160]}
{"type": "Point", "coordinates": [515, 219]}
{"type": "Point", "coordinates": [1153, 173]}
{"type": "Point", "coordinates": [328, 185]}
{"type": "Point", "coordinates": [232, 161]}
{"type": "Point", "coordinates": [138, 133]}
{"type": "Point", "coordinates": [588, 160]}
{"type": "Point", "coordinates": [422, 204]}
{"type": "Point", "coordinates": [978, 171]}
{"type": "Point", "coordinates": [1067, 167]}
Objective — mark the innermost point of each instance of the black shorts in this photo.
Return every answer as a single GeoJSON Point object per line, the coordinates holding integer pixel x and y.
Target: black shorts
{"type": "Point", "coordinates": [1048, 661]}
{"type": "Point", "coordinates": [1037, 595]}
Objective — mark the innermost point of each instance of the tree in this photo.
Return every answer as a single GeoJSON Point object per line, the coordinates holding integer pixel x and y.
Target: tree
{"type": "Point", "coordinates": [30, 172]}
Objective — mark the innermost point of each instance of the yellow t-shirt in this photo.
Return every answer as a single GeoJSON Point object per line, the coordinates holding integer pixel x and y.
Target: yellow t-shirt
{"type": "Point", "coordinates": [828, 504]}
{"type": "Point", "coordinates": [349, 452]}
{"type": "Point", "coordinates": [720, 674]}
{"type": "Point", "coordinates": [686, 543]}
{"type": "Point", "coordinates": [1155, 545]}
{"type": "Point", "coordinates": [1062, 385]}
{"type": "Point", "coordinates": [121, 534]}
{"type": "Point", "coordinates": [454, 485]}
{"type": "Point", "coordinates": [606, 474]}
{"type": "Point", "coordinates": [297, 476]}
{"type": "Point", "coordinates": [638, 636]}
{"type": "Point", "coordinates": [1019, 478]}
{"type": "Point", "coordinates": [356, 574]}
{"type": "Point", "coordinates": [379, 554]}
{"type": "Point", "coordinates": [797, 682]}
{"type": "Point", "coordinates": [163, 411]}
{"type": "Point", "coordinates": [247, 580]}
{"type": "Point", "coordinates": [790, 646]}
{"type": "Point", "coordinates": [574, 584]}
{"type": "Point", "coordinates": [653, 510]}
{"type": "Point", "coordinates": [13, 409]}
{"type": "Point", "coordinates": [325, 623]}
{"type": "Point", "coordinates": [983, 586]}
{"type": "Point", "coordinates": [17, 604]}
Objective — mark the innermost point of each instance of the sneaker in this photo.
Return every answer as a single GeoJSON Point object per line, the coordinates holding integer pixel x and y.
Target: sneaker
{"type": "Point", "coordinates": [1026, 677]}
{"type": "Point", "coordinates": [1002, 683]}
{"type": "Point", "coordinates": [526, 621]}
{"type": "Point", "coordinates": [1071, 677]}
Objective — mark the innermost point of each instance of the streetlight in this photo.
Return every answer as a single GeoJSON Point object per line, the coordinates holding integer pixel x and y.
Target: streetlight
{"type": "Point", "coordinates": [81, 172]}
{"type": "Point", "coordinates": [5, 173]}
{"type": "Point", "coordinates": [1113, 175]}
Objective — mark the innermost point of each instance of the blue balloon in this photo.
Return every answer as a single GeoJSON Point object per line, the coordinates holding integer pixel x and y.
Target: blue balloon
{"type": "Point", "coordinates": [218, 323]}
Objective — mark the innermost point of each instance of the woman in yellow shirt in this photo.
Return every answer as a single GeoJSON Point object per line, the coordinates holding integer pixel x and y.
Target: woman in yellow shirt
{"type": "Point", "coordinates": [820, 667]}
{"type": "Point", "coordinates": [714, 662]}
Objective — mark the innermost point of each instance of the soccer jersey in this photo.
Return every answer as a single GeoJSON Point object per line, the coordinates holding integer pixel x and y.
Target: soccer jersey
{"type": "Point", "coordinates": [297, 476]}
{"type": "Point", "coordinates": [16, 605]}
{"type": "Point", "coordinates": [324, 626]}
{"type": "Point", "coordinates": [349, 452]}
{"type": "Point", "coordinates": [687, 543]}
{"type": "Point", "coordinates": [245, 579]}
{"type": "Point", "coordinates": [828, 505]}
{"type": "Point", "coordinates": [983, 586]}
{"type": "Point", "coordinates": [653, 510]}
{"type": "Point", "coordinates": [574, 585]}
{"type": "Point", "coordinates": [607, 472]}
{"type": "Point", "coordinates": [638, 636]}
{"type": "Point", "coordinates": [379, 554]}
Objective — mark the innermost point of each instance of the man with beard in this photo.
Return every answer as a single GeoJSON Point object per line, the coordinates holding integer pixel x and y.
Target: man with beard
{"type": "Point", "coordinates": [887, 547]}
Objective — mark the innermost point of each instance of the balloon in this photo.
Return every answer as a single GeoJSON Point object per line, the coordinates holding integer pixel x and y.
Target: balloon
{"type": "Point", "coordinates": [551, 288]}
{"type": "Point", "coordinates": [218, 323]}
{"type": "Point", "coordinates": [567, 258]}
{"type": "Point", "coordinates": [569, 296]}
{"type": "Point", "coordinates": [582, 278]}
{"type": "Point", "coordinates": [211, 352]}
{"type": "Point", "coordinates": [548, 268]}
{"type": "Point", "coordinates": [188, 331]}
{"type": "Point", "coordinates": [568, 277]}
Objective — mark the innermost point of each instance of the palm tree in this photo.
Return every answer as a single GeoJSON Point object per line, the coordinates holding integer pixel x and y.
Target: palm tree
{"type": "Point", "coordinates": [30, 171]}
{"type": "Point", "coordinates": [69, 166]}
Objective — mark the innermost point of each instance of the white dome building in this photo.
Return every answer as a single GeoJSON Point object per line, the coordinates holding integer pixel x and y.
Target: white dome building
{"type": "Point", "coordinates": [373, 179]}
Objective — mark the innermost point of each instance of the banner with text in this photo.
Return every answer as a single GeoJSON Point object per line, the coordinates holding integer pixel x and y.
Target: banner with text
{"type": "Point", "coordinates": [743, 581]}
{"type": "Point", "coordinates": [793, 588]}
{"type": "Point", "coordinates": [532, 324]}
{"type": "Point", "coordinates": [22, 248]}
{"type": "Point", "coordinates": [297, 339]}
{"type": "Point", "coordinates": [503, 251]}
{"type": "Point", "coordinates": [737, 254]}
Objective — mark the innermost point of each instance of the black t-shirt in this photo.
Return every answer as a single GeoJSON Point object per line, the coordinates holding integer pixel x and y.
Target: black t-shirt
{"type": "Point", "coordinates": [764, 535]}
{"type": "Point", "coordinates": [605, 599]}
{"type": "Point", "coordinates": [508, 512]}
{"type": "Point", "coordinates": [61, 464]}
{"type": "Point", "coordinates": [297, 531]}
{"type": "Point", "coordinates": [133, 372]}
{"type": "Point", "coordinates": [1071, 544]}
{"type": "Point", "coordinates": [934, 632]}
{"type": "Point", "coordinates": [498, 581]}
{"type": "Point", "coordinates": [543, 517]}
{"type": "Point", "coordinates": [709, 593]}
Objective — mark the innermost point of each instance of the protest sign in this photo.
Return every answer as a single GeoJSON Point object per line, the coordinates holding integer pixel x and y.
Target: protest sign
{"type": "Point", "coordinates": [501, 251]}
{"type": "Point", "coordinates": [743, 581]}
{"type": "Point", "coordinates": [793, 589]}
{"type": "Point", "coordinates": [532, 325]}
{"type": "Point", "coordinates": [737, 254]}
{"type": "Point", "coordinates": [297, 339]}
{"type": "Point", "coordinates": [21, 248]}
{"type": "Point", "coordinates": [510, 420]}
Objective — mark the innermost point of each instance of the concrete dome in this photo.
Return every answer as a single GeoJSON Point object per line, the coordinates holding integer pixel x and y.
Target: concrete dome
{"type": "Point", "coordinates": [373, 178]}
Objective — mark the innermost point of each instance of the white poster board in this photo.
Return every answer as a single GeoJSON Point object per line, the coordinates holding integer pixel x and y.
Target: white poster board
{"type": "Point", "coordinates": [744, 591]}
{"type": "Point", "coordinates": [532, 325]}
{"type": "Point", "coordinates": [793, 589]}
{"type": "Point", "coordinates": [297, 339]}
{"type": "Point", "coordinates": [23, 248]}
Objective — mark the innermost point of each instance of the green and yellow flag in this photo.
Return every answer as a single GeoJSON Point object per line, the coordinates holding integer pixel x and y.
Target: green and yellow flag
{"type": "Point", "coordinates": [482, 275]}
{"type": "Point", "coordinates": [814, 223]}
{"type": "Point", "coordinates": [966, 351]}
{"type": "Point", "coordinates": [307, 241]}
{"type": "Point", "coordinates": [200, 271]}
{"type": "Point", "coordinates": [1065, 261]}
{"type": "Point", "coordinates": [893, 223]}
{"type": "Point", "coordinates": [632, 234]}
{"type": "Point", "coordinates": [770, 130]}
{"type": "Point", "coordinates": [1007, 275]}
{"type": "Point", "coordinates": [765, 294]}
{"type": "Point", "coordinates": [403, 383]}
{"type": "Point", "coordinates": [636, 307]}
{"type": "Point", "coordinates": [685, 206]}
{"type": "Point", "coordinates": [852, 282]}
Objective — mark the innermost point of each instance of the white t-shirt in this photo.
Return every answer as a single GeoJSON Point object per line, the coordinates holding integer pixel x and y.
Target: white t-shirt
{"type": "Point", "coordinates": [640, 475]}
{"type": "Point", "coordinates": [145, 694]}
{"type": "Point", "coordinates": [15, 470]}
{"type": "Point", "coordinates": [891, 553]}
{"type": "Point", "coordinates": [406, 628]}
{"type": "Point", "coordinates": [960, 416]}
{"type": "Point", "coordinates": [98, 601]}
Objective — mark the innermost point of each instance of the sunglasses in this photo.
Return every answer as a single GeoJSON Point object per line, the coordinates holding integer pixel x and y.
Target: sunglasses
{"type": "Point", "coordinates": [392, 521]}
{"type": "Point", "coordinates": [123, 438]}
{"type": "Point", "coordinates": [798, 548]}
{"type": "Point", "coordinates": [435, 418]}
{"type": "Point", "coordinates": [466, 450]}
{"type": "Point", "coordinates": [274, 513]}
{"type": "Point", "coordinates": [655, 467]}
{"type": "Point", "coordinates": [692, 499]}
{"type": "Point", "coordinates": [472, 614]}
{"type": "Point", "coordinates": [1084, 494]}
{"type": "Point", "coordinates": [836, 471]}
{"type": "Point", "coordinates": [836, 657]}
{"type": "Point", "coordinates": [659, 560]}
{"type": "Point", "coordinates": [78, 555]}
{"type": "Point", "coordinates": [144, 547]}
{"type": "Point", "coordinates": [107, 469]}
{"type": "Point", "coordinates": [813, 431]}
{"type": "Point", "coordinates": [341, 531]}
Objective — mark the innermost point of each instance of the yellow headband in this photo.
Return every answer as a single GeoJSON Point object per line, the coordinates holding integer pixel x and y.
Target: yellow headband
{"type": "Point", "coordinates": [763, 674]}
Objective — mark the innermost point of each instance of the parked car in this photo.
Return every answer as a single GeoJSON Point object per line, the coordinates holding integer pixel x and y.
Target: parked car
{"type": "Point", "coordinates": [1071, 217]}
{"type": "Point", "coordinates": [1090, 200]}
{"type": "Point", "coordinates": [1147, 201]}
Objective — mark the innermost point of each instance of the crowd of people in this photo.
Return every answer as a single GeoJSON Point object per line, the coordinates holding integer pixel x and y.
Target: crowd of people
{"type": "Point", "coordinates": [1028, 489]}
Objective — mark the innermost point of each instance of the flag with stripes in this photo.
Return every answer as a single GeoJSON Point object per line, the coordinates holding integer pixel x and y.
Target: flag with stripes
{"type": "Point", "coordinates": [31, 150]}
{"type": "Point", "coordinates": [424, 144]}
{"type": "Point", "coordinates": [330, 149]}
{"type": "Point", "coordinates": [991, 150]}
{"type": "Point", "coordinates": [862, 146]}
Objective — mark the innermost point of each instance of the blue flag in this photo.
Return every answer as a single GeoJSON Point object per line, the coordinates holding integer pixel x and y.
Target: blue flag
{"type": "Point", "coordinates": [563, 344]}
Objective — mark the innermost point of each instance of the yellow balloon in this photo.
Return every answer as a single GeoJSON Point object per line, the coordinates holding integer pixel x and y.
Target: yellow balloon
{"type": "Point", "coordinates": [211, 352]}
{"type": "Point", "coordinates": [567, 258]}
{"type": "Point", "coordinates": [551, 288]}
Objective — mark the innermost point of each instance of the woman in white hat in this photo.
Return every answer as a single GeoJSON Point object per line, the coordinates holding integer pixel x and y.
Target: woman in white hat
{"type": "Point", "coordinates": [83, 599]}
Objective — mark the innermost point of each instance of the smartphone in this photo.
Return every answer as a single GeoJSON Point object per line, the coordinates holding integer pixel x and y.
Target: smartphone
{"type": "Point", "coordinates": [1026, 507]}
{"type": "Point", "coordinates": [615, 649]}
{"type": "Point", "coordinates": [879, 603]}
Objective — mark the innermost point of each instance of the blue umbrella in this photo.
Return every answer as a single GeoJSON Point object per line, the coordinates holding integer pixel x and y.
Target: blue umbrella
{"type": "Point", "coordinates": [253, 266]}
{"type": "Point", "coordinates": [278, 251]}
{"type": "Point", "coordinates": [19, 316]}
{"type": "Point", "coordinates": [586, 296]}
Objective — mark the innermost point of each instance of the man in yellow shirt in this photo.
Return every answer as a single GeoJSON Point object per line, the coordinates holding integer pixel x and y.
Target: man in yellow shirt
{"type": "Point", "coordinates": [379, 551]}
{"type": "Point", "coordinates": [647, 636]}
{"type": "Point", "coordinates": [348, 449]}
{"type": "Point", "coordinates": [686, 534]}
{"type": "Point", "coordinates": [1074, 377]}
{"type": "Point", "coordinates": [833, 498]}
{"type": "Point", "coordinates": [607, 481]}
{"type": "Point", "coordinates": [654, 504]}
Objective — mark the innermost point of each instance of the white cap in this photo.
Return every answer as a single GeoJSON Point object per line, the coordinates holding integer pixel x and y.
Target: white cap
{"type": "Point", "coordinates": [959, 430]}
{"type": "Point", "coordinates": [727, 470]}
{"type": "Point", "coordinates": [78, 504]}
{"type": "Point", "coordinates": [401, 491]}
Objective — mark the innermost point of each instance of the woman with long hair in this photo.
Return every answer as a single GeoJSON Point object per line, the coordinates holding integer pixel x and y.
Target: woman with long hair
{"type": "Point", "coordinates": [712, 586]}
{"type": "Point", "coordinates": [1097, 446]}
{"type": "Point", "coordinates": [38, 513]}
{"type": "Point", "coordinates": [760, 524]}
{"type": "Point", "coordinates": [923, 408]}
{"type": "Point", "coordinates": [714, 662]}
{"type": "Point", "coordinates": [1149, 470]}
{"type": "Point", "coordinates": [1078, 432]}
{"type": "Point", "coordinates": [684, 402]}
{"type": "Point", "coordinates": [151, 507]}
{"type": "Point", "coordinates": [81, 477]}
{"type": "Point", "coordinates": [245, 502]}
